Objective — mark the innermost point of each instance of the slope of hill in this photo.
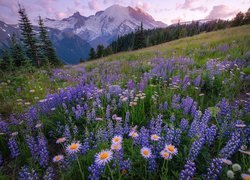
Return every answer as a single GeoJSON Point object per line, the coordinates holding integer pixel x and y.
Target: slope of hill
{"type": "Point", "coordinates": [185, 46]}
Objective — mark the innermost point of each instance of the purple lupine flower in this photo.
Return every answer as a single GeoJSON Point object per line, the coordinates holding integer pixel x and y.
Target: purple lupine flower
{"type": "Point", "coordinates": [176, 101]}
{"type": "Point", "coordinates": [4, 127]}
{"type": "Point", "coordinates": [177, 137]}
{"type": "Point", "coordinates": [130, 84]}
{"type": "Point", "coordinates": [195, 148]}
{"type": "Point", "coordinates": [49, 174]}
{"type": "Point", "coordinates": [85, 145]}
{"type": "Point", "coordinates": [165, 106]}
{"type": "Point", "coordinates": [126, 123]}
{"type": "Point", "coordinates": [66, 132]}
{"type": "Point", "coordinates": [152, 165]}
{"type": "Point", "coordinates": [214, 169]}
{"type": "Point", "coordinates": [186, 104]}
{"type": "Point", "coordinates": [144, 137]}
{"type": "Point", "coordinates": [211, 134]}
{"type": "Point", "coordinates": [75, 130]}
{"type": "Point", "coordinates": [95, 171]}
{"type": "Point", "coordinates": [169, 135]}
{"type": "Point", "coordinates": [194, 108]}
{"type": "Point", "coordinates": [194, 127]}
{"type": "Point", "coordinates": [27, 173]}
{"type": "Point", "coordinates": [232, 145]}
{"type": "Point", "coordinates": [110, 128]}
{"type": "Point", "coordinates": [186, 82]}
{"type": "Point", "coordinates": [184, 125]}
{"type": "Point", "coordinates": [13, 146]}
{"type": "Point", "coordinates": [33, 147]}
{"type": "Point", "coordinates": [108, 112]}
{"type": "Point", "coordinates": [197, 81]}
{"type": "Point", "coordinates": [188, 172]}
{"type": "Point", "coordinates": [172, 118]}
{"type": "Point", "coordinates": [42, 150]}
{"type": "Point", "coordinates": [118, 128]}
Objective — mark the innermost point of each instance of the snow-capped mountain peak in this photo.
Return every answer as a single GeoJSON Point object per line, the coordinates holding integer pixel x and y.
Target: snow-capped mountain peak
{"type": "Point", "coordinates": [105, 26]}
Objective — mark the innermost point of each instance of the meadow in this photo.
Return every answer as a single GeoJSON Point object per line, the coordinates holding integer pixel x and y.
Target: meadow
{"type": "Point", "coordinates": [178, 110]}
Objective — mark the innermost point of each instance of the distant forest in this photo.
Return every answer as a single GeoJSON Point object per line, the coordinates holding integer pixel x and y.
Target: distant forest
{"type": "Point", "coordinates": [144, 38]}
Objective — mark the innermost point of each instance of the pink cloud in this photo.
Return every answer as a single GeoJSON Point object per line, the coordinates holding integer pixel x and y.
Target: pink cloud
{"type": "Point", "coordinates": [174, 21]}
{"type": "Point", "coordinates": [94, 5]}
{"type": "Point", "coordinates": [61, 15]}
{"type": "Point", "coordinates": [143, 5]}
{"type": "Point", "coordinates": [221, 12]}
{"type": "Point", "coordinates": [200, 8]}
{"type": "Point", "coordinates": [187, 4]}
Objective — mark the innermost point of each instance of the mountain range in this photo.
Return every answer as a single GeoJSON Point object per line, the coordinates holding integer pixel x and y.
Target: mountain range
{"type": "Point", "coordinates": [73, 37]}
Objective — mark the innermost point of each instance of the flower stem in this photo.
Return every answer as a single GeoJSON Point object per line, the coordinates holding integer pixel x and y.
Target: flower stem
{"type": "Point", "coordinates": [111, 172]}
{"type": "Point", "coordinates": [80, 167]}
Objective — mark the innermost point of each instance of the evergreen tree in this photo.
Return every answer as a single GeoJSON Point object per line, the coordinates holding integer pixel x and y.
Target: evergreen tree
{"type": "Point", "coordinates": [92, 54]}
{"type": "Point", "coordinates": [238, 20]}
{"type": "Point", "coordinates": [47, 50]}
{"type": "Point", "coordinates": [247, 17]}
{"type": "Point", "coordinates": [7, 63]}
{"type": "Point", "coordinates": [17, 52]}
{"type": "Point", "coordinates": [28, 37]}
{"type": "Point", "coordinates": [100, 51]}
{"type": "Point", "coordinates": [139, 41]}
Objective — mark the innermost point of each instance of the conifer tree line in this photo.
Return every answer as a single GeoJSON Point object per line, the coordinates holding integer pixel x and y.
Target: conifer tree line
{"type": "Point", "coordinates": [32, 49]}
{"type": "Point", "coordinates": [144, 38]}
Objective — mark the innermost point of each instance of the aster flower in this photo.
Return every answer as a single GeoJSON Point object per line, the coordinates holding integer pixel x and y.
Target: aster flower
{"type": "Point", "coordinates": [60, 140]}
{"type": "Point", "coordinates": [133, 134]}
{"type": "Point", "coordinates": [73, 148]}
{"type": "Point", "coordinates": [58, 158]}
{"type": "Point", "coordinates": [116, 146]}
{"type": "Point", "coordinates": [104, 157]}
{"type": "Point", "coordinates": [155, 137]}
{"type": "Point", "coordinates": [171, 149]}
{"type": "Point", "coordinates": [165, 155]}
{"type": "Point", "coordinates": [146, 152]}
{"type": "Point", "coordinates": [245, 176]}
{"type": "Point", "coordinates": [117, 140]}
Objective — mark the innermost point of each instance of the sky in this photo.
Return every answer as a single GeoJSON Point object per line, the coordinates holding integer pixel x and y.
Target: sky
{"type": "Point", "coordinates": [167, 11]}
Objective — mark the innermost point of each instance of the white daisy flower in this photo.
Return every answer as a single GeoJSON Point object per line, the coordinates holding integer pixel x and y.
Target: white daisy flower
{"type": "Point", "coordinates": [171, 149]}
{"type": "Point", "coordinates": [146, 152]}
{"type": "Point", "coordinates": [58, 158]}
{"type": "Point", "coordinates": [73, 147]}
{"type": "Point", "coordinates": [117, 140]}
{"type": "Point", "coordinates": [165, 154]}
{"type": "Point", "coordinates": [155, 137]}
{"type": "Point", "coordinates": [133, 134]}
{"type": "Point", "coordinates": [60, 140]}
{"type": "Point", "coordinates": [116, 147]}
{"type": "Point", "coordinates": [103, 157]}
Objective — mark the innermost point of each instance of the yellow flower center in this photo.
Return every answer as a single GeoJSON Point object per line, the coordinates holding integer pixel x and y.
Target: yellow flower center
{"type": "Point", "coordinates": [116, 139]}
{"type": "Point", "coordinates": [73, 146]}
{"type": "Point", "coordinates": [116, 146]}
{"type": "Point", "coordinates": [171, 148]}
{"type": "Point", "coordinates": [165, 154]}
{"type": "Point", "coordinates": [246, 178]}
{"type": "Point", "coordinates": [104, 155]}
{"type": "Point", "coordinates": [124, 171]}
{"type": "Point", "coordinates": [58, 158]}
{"type": "Point", "coordinates": [146, 152]}
{"type": "Point", "coordinates": [134, 134]}
{"type": "Point", "coordinates": [155, 136]}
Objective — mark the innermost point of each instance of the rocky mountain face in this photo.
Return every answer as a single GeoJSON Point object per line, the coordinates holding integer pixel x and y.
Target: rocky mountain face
{"type": "Point", "coordinates": [74, 36]}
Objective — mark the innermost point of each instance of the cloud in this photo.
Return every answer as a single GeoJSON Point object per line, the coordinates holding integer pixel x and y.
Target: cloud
{"type": "Point", "coordinates": [61, 15]}
{"type": "Point", "coordinates": [94, 5]}
{"type": "Point", "coordinates": [200, 8]}
{"type": "Point", "coordinates": [113, 2]}
{"type": "Point", "coordinates": [221, 12]}
{"type": "Point", "coordinates": [143, 5]}
{"type": "Point", "coordinates": [187, 4]}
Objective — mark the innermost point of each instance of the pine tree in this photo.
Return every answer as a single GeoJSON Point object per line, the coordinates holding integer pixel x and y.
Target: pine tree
{"type": "Point", "coordinates": [238, 20]}
{"type": "Point", "coordinates": [28, 37]}
{"type": "Point", "coordinates": [46, 47]}
{"type": "Point", "coordinates": [7, 63]}
{"type": "Point", "coordinates": [139, 41]}
{"type": "Point", "coordinates": [100, 51]}
{"type": "Point", "coordinates": [17, 52]}
{"type": "Point", "coordinates": [92, 54]}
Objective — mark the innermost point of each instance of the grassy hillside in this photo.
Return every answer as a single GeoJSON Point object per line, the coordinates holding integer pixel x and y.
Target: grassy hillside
{"type": "Point", "coordinates": [179, 110]}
